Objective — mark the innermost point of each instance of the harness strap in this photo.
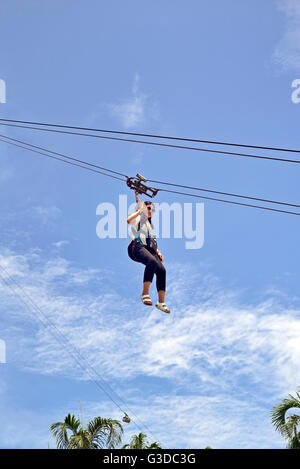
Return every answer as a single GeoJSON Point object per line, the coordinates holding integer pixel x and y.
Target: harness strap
{"type": "Point", "coordinates": [139, 229]}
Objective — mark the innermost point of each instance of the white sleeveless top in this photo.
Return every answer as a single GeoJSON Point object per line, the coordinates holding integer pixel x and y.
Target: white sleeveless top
{"type": "Point", "coordinates": [145, 229]}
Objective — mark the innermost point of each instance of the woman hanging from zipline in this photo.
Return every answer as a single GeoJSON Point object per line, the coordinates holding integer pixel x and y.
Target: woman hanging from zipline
{"type": "Point", "coordinates": [143, 249]}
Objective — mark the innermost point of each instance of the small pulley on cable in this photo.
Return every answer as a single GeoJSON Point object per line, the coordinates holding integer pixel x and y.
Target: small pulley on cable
{"type": "Point", "coordinates": [136, 183]}
{"type": "Point", "coordinates": [126, 418]}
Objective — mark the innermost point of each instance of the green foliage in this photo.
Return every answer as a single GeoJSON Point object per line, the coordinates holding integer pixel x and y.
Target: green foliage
{"type": "Point", "coordinates": [100, 433]}
{"type": "Point", "coordinates": [140, 442]}
{"type": "Point", "coordinates": [288, 426]}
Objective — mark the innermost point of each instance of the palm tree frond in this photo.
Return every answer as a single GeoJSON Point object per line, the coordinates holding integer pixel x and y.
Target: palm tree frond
{"type": "Point", "coordinates": [287, 426]}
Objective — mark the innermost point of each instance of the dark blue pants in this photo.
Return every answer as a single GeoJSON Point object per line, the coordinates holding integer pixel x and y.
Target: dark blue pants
{"type": "Point", "coordinates": [139, 253]}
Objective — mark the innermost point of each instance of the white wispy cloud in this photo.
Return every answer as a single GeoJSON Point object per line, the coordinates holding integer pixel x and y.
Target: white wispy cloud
{"type": "Point", "coordinates": [47, 213]}
{"type": "Point", "coordinates": [136, 110]}
{"type": "Point", "coordinates": [196, 420]}
{"type": "Point", "coordinates": [287, 52]}
{"type": "Point", "coordinates": [59, 244]}
{"type": "Point", "coordinates": [30, 219]}
{"type": "Point", "coordinates": [223, 361]}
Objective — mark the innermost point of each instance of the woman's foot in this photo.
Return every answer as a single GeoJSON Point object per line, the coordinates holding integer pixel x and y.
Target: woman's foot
{"type": "Point", "coordinates": [146, 300]}
{"type": "Point", "coordinates": [163, 307]}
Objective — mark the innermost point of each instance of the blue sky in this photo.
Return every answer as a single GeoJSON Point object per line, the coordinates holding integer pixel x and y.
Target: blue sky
{"type": "Point", "coordinates": [209, 373]}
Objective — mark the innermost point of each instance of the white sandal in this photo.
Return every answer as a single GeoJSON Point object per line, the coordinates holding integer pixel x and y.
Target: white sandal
{"type": "Point", "coordinates": [146, 300]}
{"type": "Point", "coordinates": [163, 307]}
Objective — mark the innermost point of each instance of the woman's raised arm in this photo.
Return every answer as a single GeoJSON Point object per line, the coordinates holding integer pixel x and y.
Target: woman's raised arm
{"type": "Point", "coordinates": [133, 216]}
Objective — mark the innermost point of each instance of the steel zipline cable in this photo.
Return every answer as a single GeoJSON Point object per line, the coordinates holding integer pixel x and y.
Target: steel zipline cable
{"type": "Point", "coordinates": [12, 284]}
{"type": "Point", "coordinates": [158, 144]}
{"type": "Point", "coordinates": [92, 167]}
{"type": "Point", "coordinates": [165, 137]}
{"type": "Point", "coordinates": [224, 193]}
{"type": "Point", "coordinates": [123, 177]}
{"type": "Point", "coordinates": [33, 148]}
{"type": "Point", "coordinates": [20, 293]}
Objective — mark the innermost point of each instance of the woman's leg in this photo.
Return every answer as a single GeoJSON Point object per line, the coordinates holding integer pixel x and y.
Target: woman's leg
{"type": "Point", "coordinates": [161, 296]}
{"type": "Point", "coordinates": [153, 266]}
{"type": "Point", "coordinates": [146, 286]}
{"type": "Point", "coordinates": [142, 255]}
{"type": "Point", "coordinates": [160, 281]}
{"type": "Point", "coordinates": [161, 287]}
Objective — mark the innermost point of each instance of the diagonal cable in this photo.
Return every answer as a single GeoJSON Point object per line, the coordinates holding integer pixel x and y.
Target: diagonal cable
{"type": "Point", "coordinates": [139, 134]}
{"type": "Point", "coordinates": [159, 144]}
